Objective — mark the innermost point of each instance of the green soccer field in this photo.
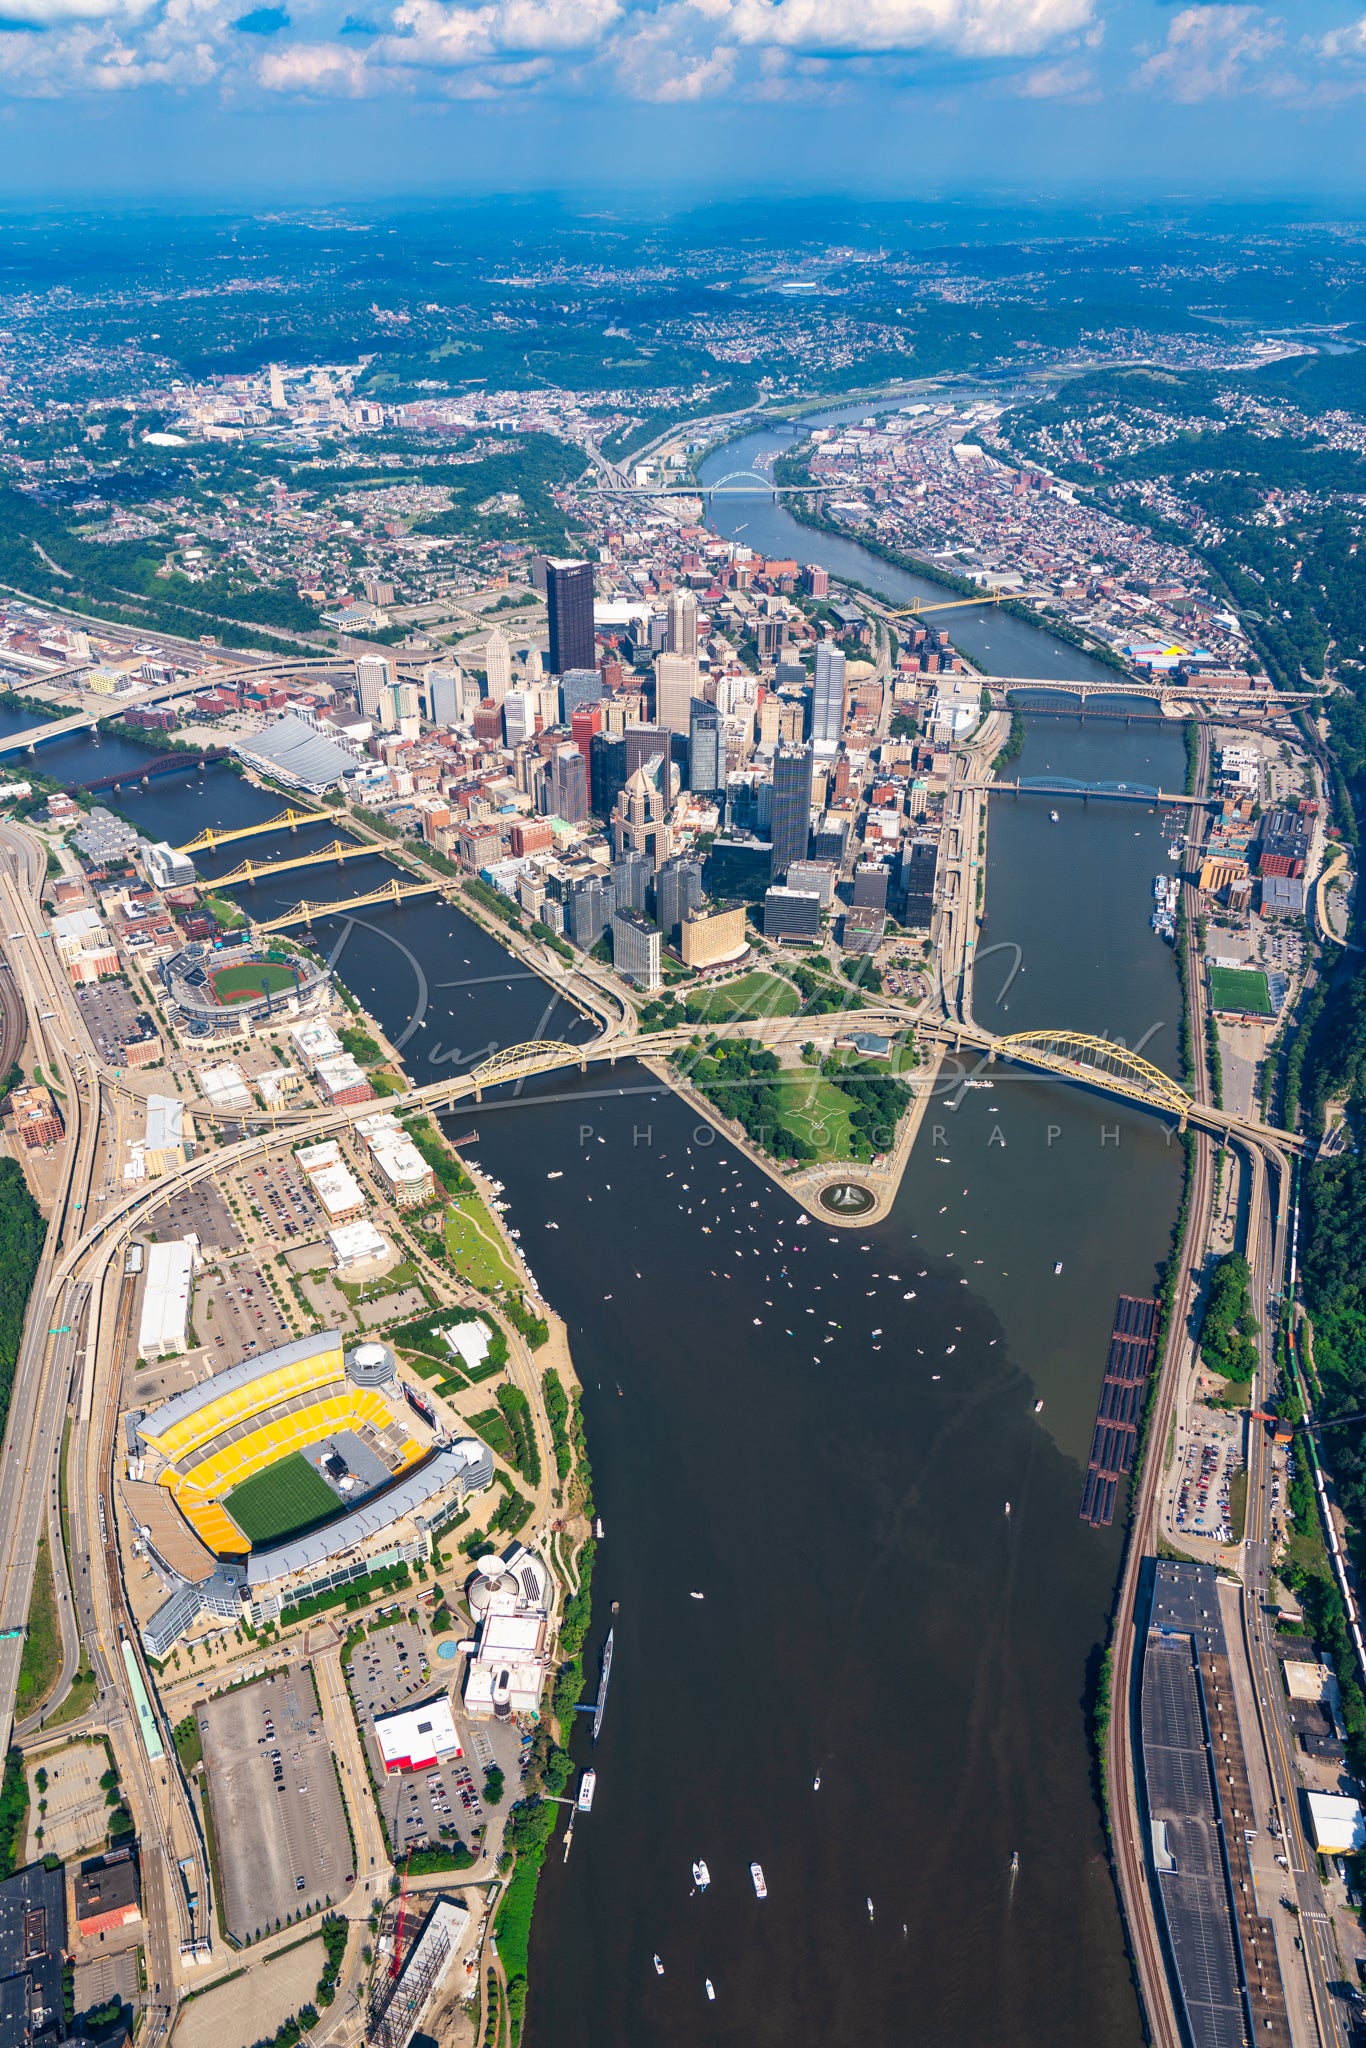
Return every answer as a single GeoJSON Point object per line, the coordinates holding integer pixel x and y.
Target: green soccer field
{"type": "Point", "coordinates": [281, 1501]}
{"type": "Point", "coordinates": [251, 978]}
{"type": "Point", "coordinates": [1240, 988]}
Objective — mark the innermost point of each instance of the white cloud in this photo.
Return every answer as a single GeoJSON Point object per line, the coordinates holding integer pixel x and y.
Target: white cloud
{"type": "Point", "coordinates": [57, 13]}
{"type": "Point", "coordinates": [1070, 80]}
{"type": "Point", "coordinates": [656, 58]}
{"type": "Point", "coordinates": [1343, 42]}
{"type": "Point", "coordinates": [1210, 52]}
{"type": "Point", "coordinates": [315, 68]}
{"type": "Point", "coordinates": [431, 35]}
{"type": "Point", "coordinates": [965, 28]}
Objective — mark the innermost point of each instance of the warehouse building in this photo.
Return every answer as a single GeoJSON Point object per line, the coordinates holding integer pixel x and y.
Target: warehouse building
{"type": "Point", "coordinates": [164, 1329]}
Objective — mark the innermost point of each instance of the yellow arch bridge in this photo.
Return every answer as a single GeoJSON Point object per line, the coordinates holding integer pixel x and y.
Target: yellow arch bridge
{"type": "Point", "coordinates": [517, 1062]}
{"type": "Point", "coordinates": [288, 821]}
{"type": "Point", "coordinates": [257, 871]}
{"type": "Point", "coordinates": [390, 892]}
{"type": "Point", "coordinates": [1080, 1057]}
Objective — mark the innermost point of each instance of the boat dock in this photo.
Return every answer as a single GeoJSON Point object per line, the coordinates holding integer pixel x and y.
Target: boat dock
{"type": "Point", "coordinates": [1133, 1344]}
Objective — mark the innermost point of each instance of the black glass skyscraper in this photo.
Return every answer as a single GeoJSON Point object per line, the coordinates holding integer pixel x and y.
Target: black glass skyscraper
{"type": "Point", "coordinates": [569, 602]}
{"type": "Point", "coordinates": [791, 826]}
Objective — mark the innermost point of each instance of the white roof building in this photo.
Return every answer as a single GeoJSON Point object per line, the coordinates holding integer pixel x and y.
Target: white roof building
{"type": "Point", "coordinates": [224, 1087]}
{"type": "Point", "coordinates": [316, 1041]}
{"type": "Point", "coordinates": [332, 1181]}
{"type": "Point", "coordinates": [415, 1737]}
{"type": "Point", "coordinates": [405, 1173]}
{"type": "Point", "coordinates": [511, 1600]}
{"type": "Point", "coordinates": [1339, 1828]}
{"type": "Point", "coordinates": [469, 1342]}
{"type": "Point", "coordinates": [164, 1329]}
{"type": "Point", "coordinates": [355, 1244]}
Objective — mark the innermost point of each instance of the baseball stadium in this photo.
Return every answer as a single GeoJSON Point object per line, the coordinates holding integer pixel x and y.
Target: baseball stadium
{"type": "Point", "coordinates": [215, 991]}
{"type": "Point", "coordinates": [289, 1475]}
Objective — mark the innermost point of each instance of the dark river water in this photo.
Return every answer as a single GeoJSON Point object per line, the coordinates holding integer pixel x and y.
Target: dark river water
{"type": "Point", "coordinates": [821, 1434]}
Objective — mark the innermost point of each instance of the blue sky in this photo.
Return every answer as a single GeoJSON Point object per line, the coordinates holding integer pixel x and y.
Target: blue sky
{"type": "Point", "coordinates": [897, 97]}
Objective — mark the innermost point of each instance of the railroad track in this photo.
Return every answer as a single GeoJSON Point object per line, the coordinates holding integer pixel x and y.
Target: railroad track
{"type": "Point", "coordinates": [13, 1021]}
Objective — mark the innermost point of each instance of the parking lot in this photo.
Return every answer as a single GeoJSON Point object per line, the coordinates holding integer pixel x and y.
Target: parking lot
{"type": "Point", "coordinates": [202, 1210]}
{"type": "Point", "coordinates": [391, 1669]}
{"type": "Point", "coordinates": [283, 1200]}
{"type": "Point", "coordinates": [111, 1016]}
{"type": "Point", "coordinates": [236, 1316]}
{"type": "Point", "coordinates": [1213, 1455]}
{"type": "Point", "coordinates": [278, 1821]}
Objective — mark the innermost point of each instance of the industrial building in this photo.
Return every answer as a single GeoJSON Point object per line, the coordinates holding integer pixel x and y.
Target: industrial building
{"type": "Point", "coordinates": [163, 1331]}
{"type": "Point", "coordinates": [32, 1942]}
{"type": "Point", "coordinates": [107, 1894]}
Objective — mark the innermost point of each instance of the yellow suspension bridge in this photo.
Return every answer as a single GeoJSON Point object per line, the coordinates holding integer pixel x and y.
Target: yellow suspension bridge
{"type": "Point", "coordinates": [257, 871]}
{"type": "Point", "coordinates": [394, 892]}
{"type": "Point", "coordinates": [288, 821]}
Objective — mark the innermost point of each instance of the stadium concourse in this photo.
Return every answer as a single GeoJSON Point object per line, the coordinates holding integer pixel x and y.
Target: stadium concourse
{"type": "Point", "coordinates": [288, 1476]}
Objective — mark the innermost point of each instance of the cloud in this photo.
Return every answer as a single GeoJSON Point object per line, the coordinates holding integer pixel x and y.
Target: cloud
{"type": "Point", "coordinates": [1343, 42]}
{"type": "Point", "coordinates": [321, 68]}
{"type": "Point", "coordinates": [1210, 52]}
{"type": "Point", "coordinates": [657, 59]}
{"type": "Point", "coordinates": [432, 35]}
{"type": "Point", "coordinates": [1070, 80]}
{"type": "Point", "coordinates": [965, 28]}
{"type": "Point", "coordinates": [262, 21]}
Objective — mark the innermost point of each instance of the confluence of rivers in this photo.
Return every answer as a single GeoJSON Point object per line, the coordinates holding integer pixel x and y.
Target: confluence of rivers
{"type": "Point", "coordinates": [821, 1433]}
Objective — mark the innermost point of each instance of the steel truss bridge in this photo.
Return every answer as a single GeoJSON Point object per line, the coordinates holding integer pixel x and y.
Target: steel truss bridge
{"type": "Point", "coordinates": [1120, 792]}
{"type": "Point", "coordinates": [287, 821]}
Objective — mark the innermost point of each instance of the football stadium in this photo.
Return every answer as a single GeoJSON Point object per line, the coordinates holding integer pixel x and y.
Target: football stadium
{"type": "Point", "coordinates": [288, 1476]}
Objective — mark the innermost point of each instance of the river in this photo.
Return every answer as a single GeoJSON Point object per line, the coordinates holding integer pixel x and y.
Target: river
{"type": "Point", "coordinates": [821, 1434]}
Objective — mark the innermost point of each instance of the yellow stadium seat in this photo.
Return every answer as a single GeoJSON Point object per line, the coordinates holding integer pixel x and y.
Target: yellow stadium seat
{"type": "Point", "coordinates": [189, 1435]}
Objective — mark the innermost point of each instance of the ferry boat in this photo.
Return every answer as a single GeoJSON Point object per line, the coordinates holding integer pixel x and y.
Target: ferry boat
{"type": "Point", "coordinates": [701, 1876]}
{"type": "Point", "coordinates": [756, 1871]}
{"type": "Point", "coordinates": [588, 1785]}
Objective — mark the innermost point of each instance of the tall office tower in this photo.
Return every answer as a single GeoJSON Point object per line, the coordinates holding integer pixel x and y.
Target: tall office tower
{"type": "Point", "coordinates": [444, 695]}
{"type": "Point", "coordinates": [640, 823]}
{"type": "Point", "coordinates": [607, 778]}
{"type": "Point", "coordinates": [631, 877]}
{"type": "Point", "coordinates": [533, 667]}
{"type": "Point", "coordinates": [277, 389]}
{"type": "Point", "coordinates": [706, 748]}
{"type": "Point", "coordinates": [635, 948]}
{"type": "Point", "coordinates": [643, 743]}
{"type": "Point", "coordinates": [568, 792]}
{"type": "Point", "coordinates": [498, 662]}
{"type": "Point", "coordinates": [397, 702]}
{"type": "Point", "coordinates": [585, 723]}
{"type": "Point", "coordinates": [578, 686]}
{"type": "Point", "coordinates": [519, 717]}
{"type": "Point", "coordinates": [678, 891]}
{"type": "Point", "coordinates": [373, 677]}
{"type": "Point", "coordinates": [569, 602]}
{"type": "Point", "coordinates": [791, 830]}
{"type": "Point", "coordinates": [828, 698]}
{"type": "Point", "coordinates": [677, 681]}
{"type": "Point", "coordinates": [682, 623]}
{"type": "Point", "coordinates": [589, 908]}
